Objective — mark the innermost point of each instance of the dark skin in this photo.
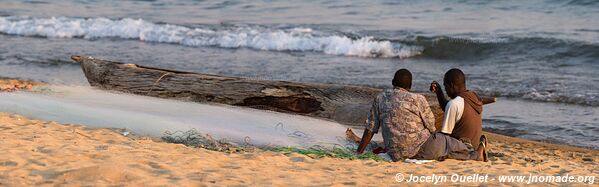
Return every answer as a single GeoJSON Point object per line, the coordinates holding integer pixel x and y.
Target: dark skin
{"type": "Point", "coordinates": [452, 92]}
{"type": "Point", "coordinates": [367, 136]}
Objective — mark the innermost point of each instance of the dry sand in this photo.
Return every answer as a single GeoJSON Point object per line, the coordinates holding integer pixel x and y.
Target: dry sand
{"type": "Point", "coordinates": [35, 152]}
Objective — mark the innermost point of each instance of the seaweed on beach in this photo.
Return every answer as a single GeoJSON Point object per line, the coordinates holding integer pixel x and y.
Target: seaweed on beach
{"type": "Point", "coordinates": [336, 152]}
{"type": "Point", "coordinates": [193, 138]}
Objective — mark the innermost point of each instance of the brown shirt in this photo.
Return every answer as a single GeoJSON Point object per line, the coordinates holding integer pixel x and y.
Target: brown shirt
{"type": "Point", "coordinates": [470, 124]}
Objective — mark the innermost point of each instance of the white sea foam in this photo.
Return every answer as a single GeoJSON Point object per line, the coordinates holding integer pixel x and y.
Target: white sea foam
{"type": "Point", "coordinates": [293, 39]}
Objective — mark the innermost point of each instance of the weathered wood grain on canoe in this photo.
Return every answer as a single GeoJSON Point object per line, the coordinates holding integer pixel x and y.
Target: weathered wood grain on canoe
{"type": "Point", "coordinates": [341, 103]}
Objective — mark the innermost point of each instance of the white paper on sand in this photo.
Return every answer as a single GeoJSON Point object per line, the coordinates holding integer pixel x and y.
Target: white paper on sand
{"type": "Point", "coordinates": [416, 161]}
{"type": "Point", "coordinates": [386, 157]}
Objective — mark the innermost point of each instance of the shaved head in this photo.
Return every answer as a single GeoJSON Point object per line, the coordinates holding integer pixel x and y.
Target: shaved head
{"type": "Point", "coordinates": [403, 79]}
{"type": "Point", "coordinates": [454, 82]}
{"type": "Point", "coordinates": [455, 77]}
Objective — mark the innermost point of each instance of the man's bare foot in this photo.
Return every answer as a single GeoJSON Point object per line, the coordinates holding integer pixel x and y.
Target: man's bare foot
{"type": "Point", "coordinates": [482, 149]}
{"type": "Point", "coordinates": [351, 136]}
{"type": "Point", "coordinates": [481, 152]}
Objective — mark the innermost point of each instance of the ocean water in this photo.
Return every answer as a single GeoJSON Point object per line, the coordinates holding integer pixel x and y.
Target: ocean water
{"type": "Point", "coordinates": [540, 57]}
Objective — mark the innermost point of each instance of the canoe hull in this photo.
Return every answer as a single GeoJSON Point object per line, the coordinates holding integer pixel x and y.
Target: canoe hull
{"type": "Point", "coordinates": [344, 104]}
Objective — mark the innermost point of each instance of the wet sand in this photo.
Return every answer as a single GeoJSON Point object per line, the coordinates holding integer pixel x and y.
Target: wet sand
{"type": "Point", "coordinates": [36, 152]}
{"type": "Point", "coordinates": [11, 85]}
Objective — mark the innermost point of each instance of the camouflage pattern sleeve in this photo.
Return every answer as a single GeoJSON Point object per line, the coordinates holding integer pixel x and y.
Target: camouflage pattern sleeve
{"type": "Point", "coordinates": [428, 118]}
{"type": "Point", "coordinates": [373, 122]}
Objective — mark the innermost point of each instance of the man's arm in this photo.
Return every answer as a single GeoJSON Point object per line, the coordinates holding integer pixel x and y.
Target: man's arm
{"type": "Point", "coordinates": [366, 137]}
{"type": "Point", "coordinates": [436, 88]}
{"type": "Point", "coordinates": [428, 118]}
{"type": "Point", "coordinates": [453, 113]}
{"type": "Point", "coordinates": [372, 126]}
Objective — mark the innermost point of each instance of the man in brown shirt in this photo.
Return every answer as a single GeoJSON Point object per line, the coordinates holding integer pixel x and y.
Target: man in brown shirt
{"type": "Point", "coordinates": [460, 135]}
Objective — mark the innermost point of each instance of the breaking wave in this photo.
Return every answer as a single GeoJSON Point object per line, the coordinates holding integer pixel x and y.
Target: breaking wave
{"type": "Point", "coordinates": [290, 39]}
{"type": "Point", "coordinates": [297, 39]}
{"type": "Point", "coordinates": [523, 91]}
{"type": "Point", "coordinates": [444, 47]}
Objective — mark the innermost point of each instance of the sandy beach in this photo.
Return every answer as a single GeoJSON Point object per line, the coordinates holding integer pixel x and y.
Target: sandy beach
{"type": "Point", "coordinates": [277, 93]}
{"type": "Point", "coordinates": [39, 152]}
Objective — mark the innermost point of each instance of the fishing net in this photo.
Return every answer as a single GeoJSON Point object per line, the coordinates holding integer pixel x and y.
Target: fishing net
{"type": "Point", "coordinates": [182, 120]}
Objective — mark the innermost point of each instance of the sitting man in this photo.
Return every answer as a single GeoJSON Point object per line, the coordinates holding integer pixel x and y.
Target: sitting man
{"type": "Point", "coordinates": [405, 117]}
{"type": "Point", "coordinates": [462, 123]}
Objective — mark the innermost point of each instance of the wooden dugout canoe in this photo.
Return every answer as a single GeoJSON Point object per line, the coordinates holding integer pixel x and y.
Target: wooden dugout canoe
{"type": "Point", "coordinates": [344, 104]}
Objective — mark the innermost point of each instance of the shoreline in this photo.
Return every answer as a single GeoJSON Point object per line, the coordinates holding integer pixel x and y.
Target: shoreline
{"type": "Point", "coordinates": [50, 153]}
{"type": "Point", "coordinates": [254, 93]}
{"type": "Point", "coordinates": [13, 85]}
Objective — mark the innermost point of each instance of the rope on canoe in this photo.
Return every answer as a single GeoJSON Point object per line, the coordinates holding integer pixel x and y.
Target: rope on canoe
{"type": "Point", "coordinates": [158, 80]}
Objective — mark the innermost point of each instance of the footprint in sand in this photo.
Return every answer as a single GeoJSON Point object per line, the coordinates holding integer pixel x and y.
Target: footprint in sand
{"type": "Point", "coordinates": [197, 176]}
{"type": "Point", "coordinates": [563, 172]}
{"type": "Point", "coordinates": [158, 169]}
{"type": "Point", "coordinates": [9, 163]}
{"type": "Point", "coordinates": [514, 171]}
{"type": "Point", "coordinates": [48, 175]}
{"type": "Point", "coordinates": [36, 162]}
{"type": "Point", "coordinates": [112, 173]}
{"type": "Point", "coordinates": [297, 159]}
{"type": "Point", "coordinates": [373, 164]}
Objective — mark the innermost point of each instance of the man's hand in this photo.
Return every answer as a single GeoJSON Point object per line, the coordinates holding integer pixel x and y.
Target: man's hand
{"type": "Point", "coordinates": [435, 87]}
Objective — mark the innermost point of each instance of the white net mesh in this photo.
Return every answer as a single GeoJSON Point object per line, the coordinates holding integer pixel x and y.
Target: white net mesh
{"type": "Point", "coordinates": [153, 117]}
